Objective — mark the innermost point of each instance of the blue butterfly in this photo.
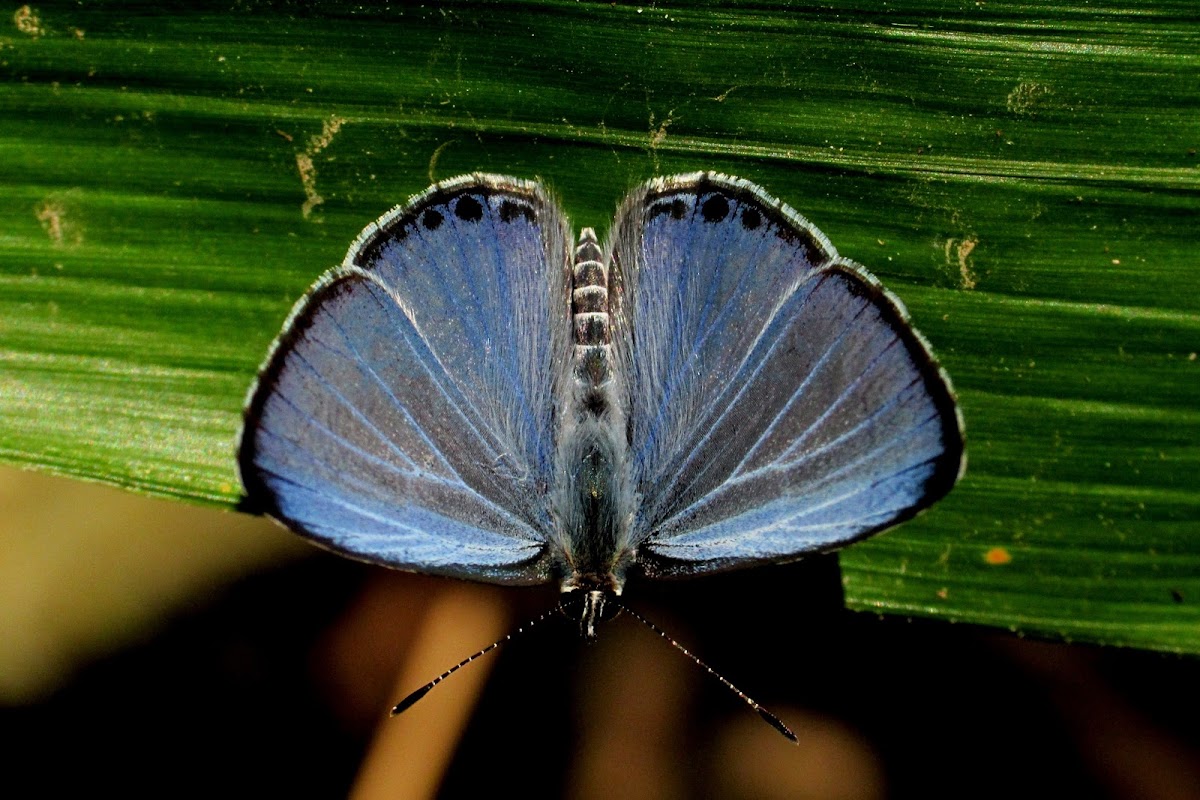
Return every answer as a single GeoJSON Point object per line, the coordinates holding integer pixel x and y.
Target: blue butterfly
{"type": "Point", "coordinates": [475, 392]}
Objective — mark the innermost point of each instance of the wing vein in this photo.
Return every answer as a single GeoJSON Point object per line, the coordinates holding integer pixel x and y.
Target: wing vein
{"type": "Point", "coordinates": [745, 387]}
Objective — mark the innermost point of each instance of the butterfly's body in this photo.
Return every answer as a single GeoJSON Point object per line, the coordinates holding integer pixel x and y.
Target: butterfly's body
{"type": "Point", "coordinates": [714, 388]}
{"type": "Point", "coordinates": [592, 495]}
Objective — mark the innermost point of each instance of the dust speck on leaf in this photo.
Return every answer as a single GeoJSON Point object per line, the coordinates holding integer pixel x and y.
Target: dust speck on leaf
{"type": "Point", "coordinates": [1027, 97]}
{"type": "Point", "coordinates": [59, 222]}
{"type": "Point", "coordinates": [659, 134]}
{"type": "Point", "coordinates": [306, 167]}
{"type": "Point", "coordinates": [958, 253]}
{"type": "Point", "coordinates": [28, 22]}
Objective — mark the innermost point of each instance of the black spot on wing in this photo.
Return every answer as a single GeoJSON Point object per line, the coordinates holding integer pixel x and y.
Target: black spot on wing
{"type": "Point", "coordinates": [676, 209]}
{"type": "Point", "coordinates": [431, 220]}
{"type": "Point", "coordinates": [465, 202]}
{"type": "Point", "coordinates": [719, 197]}
{"type": "Point", "coordinates": [468, 209]}
{"type": "Point", "coordinates": [715, 208]}
{"type": "Point", "coordinates": [511, 210]}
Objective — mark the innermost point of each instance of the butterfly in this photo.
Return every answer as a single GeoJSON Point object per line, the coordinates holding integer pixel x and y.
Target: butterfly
{"type": "Point", "coordinates": [475, 392]}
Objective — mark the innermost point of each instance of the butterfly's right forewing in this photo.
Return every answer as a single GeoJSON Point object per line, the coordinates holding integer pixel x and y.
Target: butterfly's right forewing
{"type": "Point", "coordinates": [405, 414]}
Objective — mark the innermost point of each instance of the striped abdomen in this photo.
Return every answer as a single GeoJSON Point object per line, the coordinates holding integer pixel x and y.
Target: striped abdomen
{"type": "Point", "coordinates": [593, 337]}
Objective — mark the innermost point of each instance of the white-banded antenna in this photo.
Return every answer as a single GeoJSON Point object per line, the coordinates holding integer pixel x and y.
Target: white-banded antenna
{"type": "Point", "coordinates": [772, 720]}
{"type": "Point", "coordinates": [411, 700]}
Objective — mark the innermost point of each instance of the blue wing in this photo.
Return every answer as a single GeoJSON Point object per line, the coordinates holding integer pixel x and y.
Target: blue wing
{"type": "Point", "coordinates": [404, 415]}
{"type": "Point", "coordinates": [779, 403]}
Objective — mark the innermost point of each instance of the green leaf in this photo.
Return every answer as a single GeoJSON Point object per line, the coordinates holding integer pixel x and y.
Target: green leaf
{"type": "Point", "coordinates": [1024, 176]}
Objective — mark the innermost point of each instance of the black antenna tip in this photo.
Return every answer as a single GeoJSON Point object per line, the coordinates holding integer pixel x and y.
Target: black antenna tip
{"type": "Point", "coordinates": [772, 720]}
{"type": "Point", "coordinates": [410, 701]}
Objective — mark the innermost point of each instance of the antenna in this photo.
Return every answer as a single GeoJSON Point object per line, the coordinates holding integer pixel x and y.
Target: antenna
{"type": "Point", "coordinates": [411, 700]}
{"type": "Point", "coordinates": [772, 720]}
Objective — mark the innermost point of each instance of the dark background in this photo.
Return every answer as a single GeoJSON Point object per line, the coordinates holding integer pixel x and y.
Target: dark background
{"type": "Point", "coordinates": [237, 695]}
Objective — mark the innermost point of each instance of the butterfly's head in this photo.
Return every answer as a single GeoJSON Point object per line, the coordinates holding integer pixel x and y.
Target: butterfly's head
{"type": "Point", "coordinates": [590, 607]}
{"type": "Point", "coordinates": [591, 597]}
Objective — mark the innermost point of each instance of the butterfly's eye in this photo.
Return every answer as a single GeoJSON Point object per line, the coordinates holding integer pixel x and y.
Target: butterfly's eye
{"type": "Point", "coordinates": [610, 609]}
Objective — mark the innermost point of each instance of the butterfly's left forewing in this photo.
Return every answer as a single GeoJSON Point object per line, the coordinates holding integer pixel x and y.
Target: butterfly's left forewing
{"type": "Point", "coordinates": [404, 416]}
{"type": "Point", "coordinates": [779, 402]}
